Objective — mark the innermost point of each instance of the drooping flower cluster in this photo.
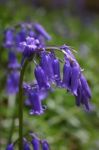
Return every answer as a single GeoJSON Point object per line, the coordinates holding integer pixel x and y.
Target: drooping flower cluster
{"type": "Point", "coordinates": [75, 81]}
{"type": "Point", "coordinates": [35, 144]}
{"type": "Point", "coordinates": [47, 73]}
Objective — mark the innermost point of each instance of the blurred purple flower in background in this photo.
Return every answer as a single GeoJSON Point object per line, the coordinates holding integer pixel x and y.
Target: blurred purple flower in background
{"type": "Point", "coordinates": [35, 143]}
{"type": "Point", "coordinates": [20, 37]}
{"type": "Point", "coordinates": [45, 145]}
{"type": "Point", "coordinates": [9, 38]}
{"type": "Point", "coordinates": [12, 61]}
{"type": "Point", "coordinates": [35, 102]}
{"type": "Point", "coordinates": [41, 31]}
{"type": "Point", "coordinates": [10, 147]}
{"type": "Point", "coordinates": [26, 145]}
{"type": "Point", "coordinates": [12, 82]}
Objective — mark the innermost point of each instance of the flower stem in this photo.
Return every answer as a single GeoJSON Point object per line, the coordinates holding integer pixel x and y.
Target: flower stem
{"type": "Point", "coordinates": [20, 105]}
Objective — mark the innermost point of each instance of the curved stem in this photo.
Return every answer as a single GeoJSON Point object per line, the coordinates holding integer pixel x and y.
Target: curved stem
{"type": "Point", "coordinates": [20, 105]}
{"type": "Point", "coordinates": [55, 48]}
{"type": "Point", "coordinates": [61, 50]}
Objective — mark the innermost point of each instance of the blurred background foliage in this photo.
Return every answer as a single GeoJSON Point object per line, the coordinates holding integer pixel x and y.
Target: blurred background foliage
{"type": "Point", "coordinates": [76, 24]}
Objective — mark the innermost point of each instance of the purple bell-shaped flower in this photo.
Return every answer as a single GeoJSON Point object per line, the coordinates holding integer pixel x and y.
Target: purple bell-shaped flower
{"type": "Point", "coordinates": [75, 73]}
{"type": "Point", "coordinates": [85, 86]}
{"type": "Point", "coordinates": [40, 30]}
{"type": "Point", "coordinates": [41, 78]}
{"type": "Point", "coordinates": [35, 143]}
{"type": "Point", "coordinates": [9, 38]}
{"type": "Point", "coordinates": [79, 94]}
{"type": "Point", "coordinates": [12, 61]}
{"type": "Point", "coordinates": [26, 145]}
{"type": "Point", "coordinates": [35, 102]}
{"type": "Point", "coordinates": [45, 145]}
{"type": "Point", "coordinates": [82, 97]}
{"type": "Point", "coordinates": [20, 37]}
{"type": "Point", "coordinates": [46, 64]}
{"type": "Point", "coordinates": [10, 147]}
{"type": "Point", "coordinates": [12, 82]}
{"type": "Point", "coordinates": [29, 46]}
{"type": "Point", "coordinates": [66, 75]}
{"type": "Point", "coordinates": [56, 71]}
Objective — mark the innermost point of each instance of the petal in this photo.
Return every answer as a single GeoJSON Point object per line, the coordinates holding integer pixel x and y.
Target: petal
{"type": "Point", "coordinates": [36, 105]}
{"type": "Point", "coordinates": [12, 82]}
{"type": "Point", "coordinates": [36, 143]}
{"type": "Point", "coordinates": [79, 95]}
{"type": "Point", "coordinates": [41, 31]}
{"type": "Point", "coordinates": [45, 145]}
{"type": "Point", "coordinates": [41, 78]}
{"type": "Point", "coordinates": [56, 70]}
{"type": "Point", "coordinates": [75, 71]}
{"type": "Point", "coordinates": [9, 38]}
{"type": "Point", "coordinates": [26, 145]}
{"type": "Point", "coordinates": [13, 63]}
{"type": "Point", "coordinates": [85, 100]}
{"type": "Point", "coordinates": [46, 64]}
{"type": "Point", "coordinates": [66, 75]}
{"type": "Point", "coordinates": [10, 147]}
{"type": "Point", "coordinates": [85, 86]}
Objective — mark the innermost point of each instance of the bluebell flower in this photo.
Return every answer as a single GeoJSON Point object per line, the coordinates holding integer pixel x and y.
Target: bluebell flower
{"type": "Point", "coordinates": [41, 78]}
{"type": "Point", "coordinates": [12, 61]}
{"type": "Point", "coordinates": [39, 94]}
{"type": "Point", "coordinates": [9, 38]}
{"type": "Point", "coordinates": [46, 64]}
{"type": "Point", "coordinates": [20, 37]}
{"type": "Point", "coordinates": [82, 97]}
{"type": "Point", "coordinates": [85, 100]}
{"type": "Point", "coordinates": [10, 147]}
{"type": "Point", "coordinates": [75, 74]}
{"type": "Point", "coordinates": [79, 94]}
{"type": "Point", "coordinates": [45, 145]}
{"type": "Point", "coordinates": [12, 82]}
{"type": "Point", "coordinates": [66, 75]}
{"type": "Point", "coordinates": [35, 143]}
{"type": "Point", "coordinates": [42, 95]}
{"type": "Point", "coordinates": [85, 86]}
{"type": "Point", "coordinates": [26, 145]}
{"type": "Point", "coordinates": [56, 71]}
{"type": "Point", "coordinates": [29, 46]}
{"type": "Point", "coordinates": [68, 51]}
{"type": "Point", "coordinates": [35, 102]}
{"type": "Point", "coordinates": [40, 30]}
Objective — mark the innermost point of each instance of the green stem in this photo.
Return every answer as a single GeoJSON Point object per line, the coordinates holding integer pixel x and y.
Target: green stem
{"type": "Point", "coordinates": [20, 103]}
